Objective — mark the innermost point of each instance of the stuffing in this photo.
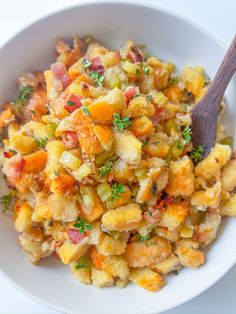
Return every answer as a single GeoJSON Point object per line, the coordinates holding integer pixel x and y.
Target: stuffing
{"type": "Point", "coordinates": [228, 207]}
{"type": "Point", "coordinates": [147, 279]}
{"type": "Point", "coordinates": [124, 218]}
{"type": "Point", "coordinates": [181, 178]}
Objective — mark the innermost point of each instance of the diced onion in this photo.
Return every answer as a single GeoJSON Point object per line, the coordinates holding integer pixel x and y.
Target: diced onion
{"type": "Point", "coordinates": [69, 160]}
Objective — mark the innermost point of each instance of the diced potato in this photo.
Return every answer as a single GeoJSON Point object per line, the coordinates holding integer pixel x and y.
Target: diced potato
{"type": "Point", "coordinates": [167, 266]}
{"type": "Point", "coordinates": [104, 135]}
{"type": "Point", "coordinates": [22, 144]}
{"type": "Point", "coordinates": [117, 266]}
{"type": "Point", "coordinates": [190, 257]}
{"type": "Point", "coordinates": [91, 208]}
{"type": "Point", "coordinates": [154, 250]}
{"type": "Point", "coordinates": [210, 167]}
{"type": "Point", "coordinates": [109, 246]}
{"type": "Point", "coordinates": [128, 147]}
{"type": "Point", "coordinates": [23, 220]}
{"type": "Point", "coordinates": [124, 218]}
{"type": "Point", "coordinates": [103, 108]}
{"type": "Point", "coordinates": [63, 207]}
{"type": "Point", "coordinates": [122, 171]}
{"type": "Point", "coordinates": [181, 178]}
{"type": "Point", "coordinates": [147, 279]}
{"type": "Point", "coordinates": [84, 127]}
{"type": "Point", "coordinates": [83, 275]}
{"type": "Point", "coordinates": [194, 81]}
{"type": "Point", "coordinates": [207, 198]}
{"type": "Point", "coordinates": [228, 177]}
{"type": "Point", "coordinates": [207, 230]}
{"type": "Point", "coordinates": [63, 184]}
{"type": "Point", "coordinates": [138, 107]}
{"type": "Point", "coordinates": [69, 252]}
{"type": "Point", "coordinates": [171, 235]}
{"type": "Point", "coordinates": [174, 215]}
{"type": "Point", "coordinates": [69, 160]}
{"type": "Point", "coordinates": [229, 207]}
{"type": "Point", "coordinates": [101, 278]}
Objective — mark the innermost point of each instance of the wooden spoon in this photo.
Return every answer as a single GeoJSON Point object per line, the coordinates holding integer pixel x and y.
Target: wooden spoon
{"type": "Point", "coordinates": [205, 113]}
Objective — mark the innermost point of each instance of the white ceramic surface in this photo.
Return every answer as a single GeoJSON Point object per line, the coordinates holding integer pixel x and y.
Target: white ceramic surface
{"type": "Point", "coordinates": [168, 37]}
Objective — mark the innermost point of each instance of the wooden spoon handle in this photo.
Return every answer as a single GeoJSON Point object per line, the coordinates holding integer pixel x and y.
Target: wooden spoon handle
{"type": "Point", "coordinates": [223, 76]}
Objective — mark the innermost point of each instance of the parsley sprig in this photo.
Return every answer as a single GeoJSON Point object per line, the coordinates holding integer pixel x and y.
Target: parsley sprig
{"type": "Point", "coordinates": [116, 190]}
{"type": "Point", "coordinates": [6, 201]}
{"type": "Point", "coordinates": [197, 152]}
{"type": "Point", "coordinates": [40, 141]}
{"type": "Point", "coordinates": [82, 225]}
{"type": "Point", "coordinates": [24, 93]}
{"type": "Point", "coordinates": [142, 238]}
{"type": "Point", "coordinates": [145, 69]}
{"type": "Point", "coordinates": [106, 168]}
{"type": "Point", "coordinates": [186, 133]}
{"type": "Point", "coordinates": [83, 263]}
{"type": "Point", "coordinates": [97, 77]}
{"type": "Point", "coordinates": [120, 123]}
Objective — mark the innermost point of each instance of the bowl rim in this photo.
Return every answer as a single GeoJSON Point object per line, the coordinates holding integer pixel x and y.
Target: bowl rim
{"type": "Point", "coordinates": [142, 4]}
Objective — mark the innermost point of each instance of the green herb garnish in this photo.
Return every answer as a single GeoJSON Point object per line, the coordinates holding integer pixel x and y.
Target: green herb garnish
{"type": "Point", "coordinates": [137, 71]}
{"type": "Point", "coordinates": [86, 63]}
{"type": "Point", "coordinates": [196, 153]}
{"type": "Point", "coordinates": [85, 111]}
{"type": "Point", "coordinates": [179, 145]}
{"type": "Point", "coordinates": [142, 238]}
{"type": "Point", "coordinates": [144, 143]}
{"type": "Point", "coordinates": [56, 173]}
{"type": "Point", "coordinates": [173, 80]}
{"type": "Point", "coordinates": [145, 69]}
{"type": "Point", "coordinates": [82, 225]}
{"type": "Point", "coordinates": [83, 263]}
{"type": "Point", "coordinates": [120, 123]}
{"type": "Point", "coordinates": [106, 168]}
{"type": "Point", "coordinates": [24, 93]}
{"type": "Point", "coordinates": [96, 77]}
{"type": "Point", "coordinates": [186, 133]}
{"type": "Point", "coordinates": [70, 103]}
{"type": "Point", "coordinates": [116, 190]}
{"type": "Point", "coordinates": [40, 141]}
{"type": "Point", "coordinates": [6, 201]}
{"type": "Point", "coordinates": [149, 97]}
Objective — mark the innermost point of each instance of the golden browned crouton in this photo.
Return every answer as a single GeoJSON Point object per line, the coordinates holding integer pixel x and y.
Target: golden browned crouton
{"type": "Point", "coordinates": [138, 107]}
{"type": "Point", "coordinates": [154, 250]}
{"type": "Point", "coordinates": [181, 178]}
{"type": "Point", "coordinates": [169, 265]}
{"type": "Point", "coordinates": [124, 218]}
{"type": "Point", "coordinates": [83, 275]}
{"type": "Point", "coordinates": [63, 207]}
{"type": "Point", "coordinates": [101, 278]}
{"type": "Point", "coordinates": [188, 255]}
{"type": "Point", "coordinates": [209, 168]}
{"type": "Point", "coordinates": [69, 252]}
{"type": "Point", "coordinates": [228, 177]}
{"type": "Point", "coordinates": [122, 171]}
{"type": "Point", "coordinates": [107, 245]}
{"type": "Point", "coordinates": [147, 279]}
{"type": "Point", "coordinates": [229, 207]}
{"type": "Point", "coordinates": [23, 220]}
{"type": "Point", "coordinates": [207, 198]}
{"type": "Point", "coordinates": [128, 147]}
{"type": "Point", "coordinates": [174, 215]}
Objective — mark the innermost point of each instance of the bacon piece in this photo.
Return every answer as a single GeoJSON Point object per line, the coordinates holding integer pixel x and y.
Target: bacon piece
{"type": "Point", "coordinates": [158, 116]}
{"type": "Point", "coordinates": [73, 103]}
{"type": "Point", "coordinates": [135, 55]}
{"type": "Point", "coordinates": [14, 169]}
{"type": "Point", "coordinates": [75, 236]}
{"type": "Point", "coordinates": [60, 73]}
{"type": "Point", "coordinates": [96, 66]}
{"type": "Point", "coordinates": [130, 92]}
{"type": "Point", "coordinates": [153, 215]}
{"type": "Point", "coordinates": [70, 139]}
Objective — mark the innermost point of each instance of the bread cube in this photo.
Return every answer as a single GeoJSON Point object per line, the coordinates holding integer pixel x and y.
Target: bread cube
{"type": "Point", "coordinates": [128, 147]}
{"type": "Point", "coordinates": [95, 233]}
{"type": "Point", "coordinates": [69, 252]}
{"type": "Point", "coordinates": [194, 81]}
{"type": "Point", "coordinates": [207, 230]}
{"type": "Point", "coordinates": [120, 283]}
{"type": "Point", "coordinates": [23, 220]}
{"type": "Point", "coordinates": [122, 171]}
{"type": "Point", "coordinates": [54, 149]}
{"type": "Point", "coordinates": [188, 255]}
{"type": "Point", "coordinates": [171, 235]}
{"type": "Point", "coordinates": [174, 215]}
{"type": "Point", "coordinates": [104, 135]}
{"type": "Point", "coordinates": [31, 243]}
{"type": "Point", "coordinates": [63, 207]}
{"type": "Point", "coordinates": [147, 279]}
{"type": "Point", "coordinates": [138, 107]}
{"type": "Point", "coordinates": [209, 168]}
{"type": "Point", "coordinates": [83, 275]}
{"type": "Point", "coordinates": [229, 207]}
{"type": "Point", "coordinates": [117, 266]}
{"type": "Point", "coordinates": [154, 250]}
{"type": "Point", "coordinates": [207, 198]}
{"type": "Point", "coordinates": [181, 178]}
{"type": "Point", "coordinates": [107, 245]}
{"type": "Point", "coordinates": [63, 184]}
{"type": "Point", "coordinates": [124, 218]}
{"type": "Point", "coordinates": [169, 265]}
{"type": "Point", "coordinates": [22, 144]}
{"type": "Point", "coordinates": [228, 176]}
{"type": "Point", "coordinates": [101, 278]}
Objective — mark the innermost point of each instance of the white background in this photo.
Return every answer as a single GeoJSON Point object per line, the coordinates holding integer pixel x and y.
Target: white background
{"type": "Point", "coordinates": [216, 15]}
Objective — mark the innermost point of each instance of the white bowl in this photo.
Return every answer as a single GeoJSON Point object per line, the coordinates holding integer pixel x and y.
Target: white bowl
{"type": "Point", "coordinates": [169, 37]}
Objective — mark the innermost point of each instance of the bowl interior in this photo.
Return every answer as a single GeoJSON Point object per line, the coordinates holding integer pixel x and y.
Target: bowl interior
{"type": "Point", "coordinates": [169, 38]}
